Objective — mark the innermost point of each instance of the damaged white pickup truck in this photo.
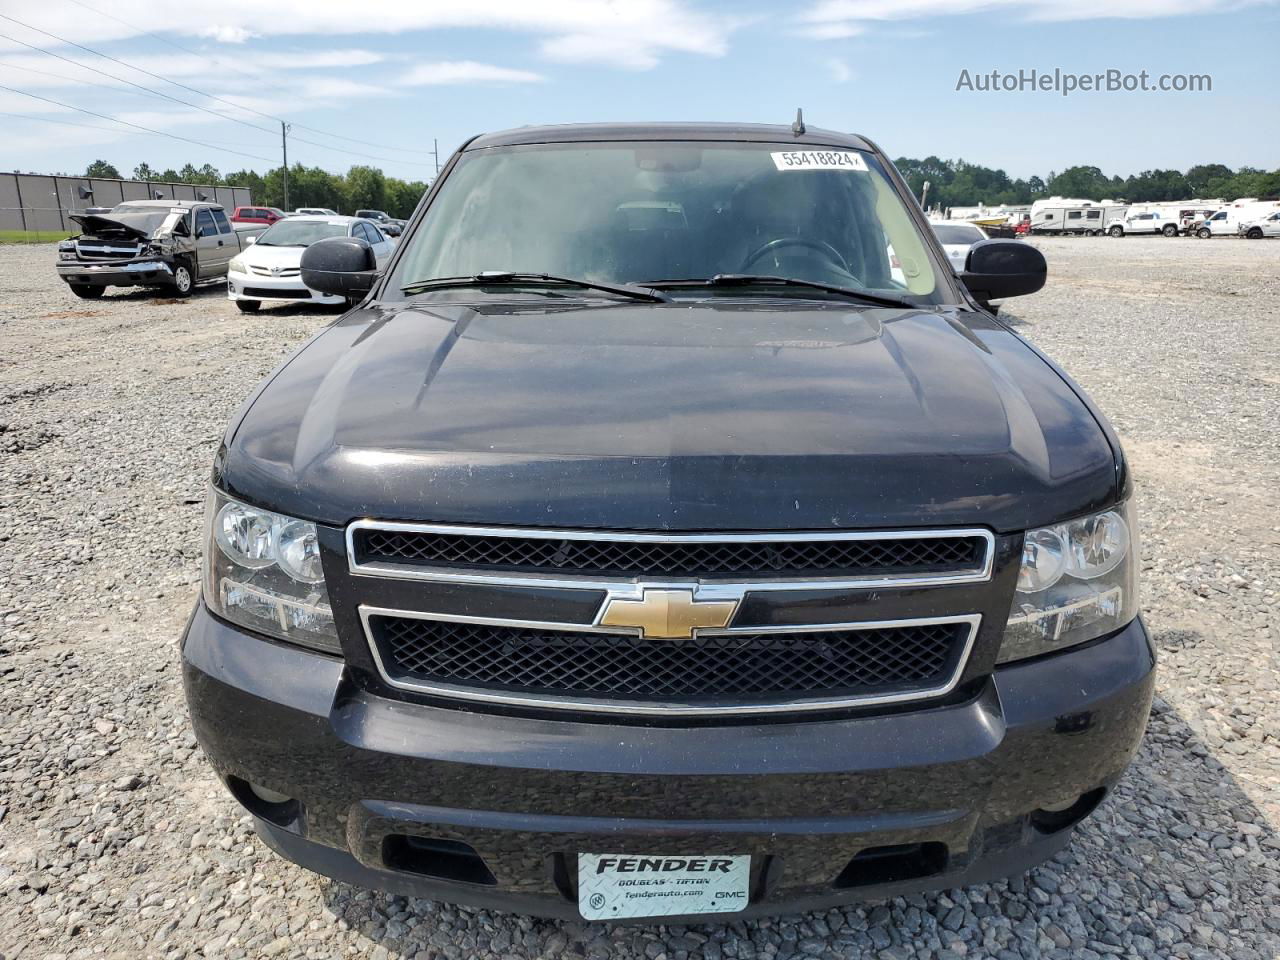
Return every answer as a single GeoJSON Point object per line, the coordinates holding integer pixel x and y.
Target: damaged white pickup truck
{"type": "Point", "coordinates": [151, 243]}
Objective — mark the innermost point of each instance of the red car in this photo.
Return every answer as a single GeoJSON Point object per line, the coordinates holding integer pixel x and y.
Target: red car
{"type": "Point", "coordinates": [263, 215]}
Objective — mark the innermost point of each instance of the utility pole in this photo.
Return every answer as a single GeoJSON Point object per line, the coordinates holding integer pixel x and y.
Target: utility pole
{"type": "Point", "coordinates": [284, 149]}
{"type": "Point", "coordinates": [435, 151]}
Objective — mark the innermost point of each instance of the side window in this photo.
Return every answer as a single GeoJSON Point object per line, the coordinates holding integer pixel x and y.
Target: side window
{"type": "Point", "coordinates": [375, 235]}
{"type": "Point", "coordinates": [1094, 214]}
{"type": "Point", "coordinates": [368, 232]}
{"type": "Point", "coordinates": [220, 218]}
{"type": "Point", "coordinates": [1049, 216]}
{"type": "Point", "coordinates": [205, 227]}
{"type": "Point", "coordinates": [1073, 215]}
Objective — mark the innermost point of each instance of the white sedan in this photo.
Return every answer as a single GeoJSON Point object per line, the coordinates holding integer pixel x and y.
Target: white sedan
{"type": "Point", "coordinates": [270, 269]}
{"type": "Point", "coordinates": [956, 237]}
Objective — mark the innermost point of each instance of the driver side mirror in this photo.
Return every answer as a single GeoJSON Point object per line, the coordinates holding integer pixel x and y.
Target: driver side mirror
{"type": "Point", "coordinates": [996, 269]}
{"type": "Point", "coordinates": [340, 266]}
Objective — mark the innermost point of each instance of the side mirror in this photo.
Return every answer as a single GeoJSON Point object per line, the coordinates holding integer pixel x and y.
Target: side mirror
{"type": "Point", "coordinates": [996, 269]}
{"type": "Point", "coordinates": [340, 266]}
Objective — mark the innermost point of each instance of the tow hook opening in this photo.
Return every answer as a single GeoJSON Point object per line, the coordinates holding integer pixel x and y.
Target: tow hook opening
{"type": "Point", "coordinates": [436, 857]}
{"type": "Point", "coordinates": [889, 864]}
{"type": "Point", "coordinates": [1051, 821]}
{"type": "Point", "coordinates": [265, 803]}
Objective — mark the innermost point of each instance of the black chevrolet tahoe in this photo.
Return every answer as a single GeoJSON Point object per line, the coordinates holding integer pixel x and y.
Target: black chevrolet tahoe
{"type": "Point", "coordinates": [670, 532]}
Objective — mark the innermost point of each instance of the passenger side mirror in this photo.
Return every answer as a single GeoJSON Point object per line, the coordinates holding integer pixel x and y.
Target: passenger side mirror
{"type": "Point", "coordinates": [340, 266]}
{"type": "Point", "coordinates": [996, 269]}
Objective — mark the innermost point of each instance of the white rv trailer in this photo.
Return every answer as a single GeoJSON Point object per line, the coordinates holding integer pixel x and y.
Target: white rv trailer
{"type": "Point", "coordinates": [1063, 215]}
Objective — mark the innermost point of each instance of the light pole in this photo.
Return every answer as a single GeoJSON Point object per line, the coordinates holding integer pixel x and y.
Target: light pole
{"type": "Point", "coordinates": [284, 149]}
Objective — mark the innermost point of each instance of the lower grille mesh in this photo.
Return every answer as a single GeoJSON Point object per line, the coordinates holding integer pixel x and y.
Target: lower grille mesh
{"type": "Point", "coordinates": [742, 667]}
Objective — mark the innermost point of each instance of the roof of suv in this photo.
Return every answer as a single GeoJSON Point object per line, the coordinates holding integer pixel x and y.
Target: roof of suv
{"type": "Point", "coordinates": [757, 132]}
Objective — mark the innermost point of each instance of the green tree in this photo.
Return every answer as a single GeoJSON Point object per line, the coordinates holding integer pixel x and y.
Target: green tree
{"type": "Point", "coordinates": [102, 170]}
{"type": "Point", "coordinates": [314, 187]}
{"type": "Point", "coordinates": [1087, 183]}
{"type": "Point", "coordinates": [1201, 176]}
{"type": "Point", "coordinates": [246, 178]}
{"type": "Point", "coordinates": [366, 189]}
{"type": "Point", "coordinates": [143, 171]}
{"type": "Point", "coordinates": [403, 196]}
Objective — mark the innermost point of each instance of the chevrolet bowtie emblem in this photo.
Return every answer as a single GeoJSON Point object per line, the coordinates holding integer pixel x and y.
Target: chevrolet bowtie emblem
{"type": "Point", "coordinates": [668, 614]}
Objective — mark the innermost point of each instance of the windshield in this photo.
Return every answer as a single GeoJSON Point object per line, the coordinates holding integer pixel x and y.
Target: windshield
{"type": "Point", "coordinates": [637, 212]}
{"type": "Point", "coordinates": [300, 233]}
{"type": "Point", "coordinates": [957, 233]}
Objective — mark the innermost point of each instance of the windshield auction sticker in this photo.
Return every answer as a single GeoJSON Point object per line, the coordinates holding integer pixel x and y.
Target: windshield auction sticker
{"type": "Point", "coordinates": [819, 160]}
{"type": "Point", "coordinates": [612, 886]}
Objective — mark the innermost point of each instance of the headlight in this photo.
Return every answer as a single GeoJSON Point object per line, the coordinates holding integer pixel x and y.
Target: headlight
{"type": "Point", "coordinates": [1078, 581]}
{"type": "Point", "coordinates": [262, 571]}
{"type": "Point", "coordinates": [237, 265]}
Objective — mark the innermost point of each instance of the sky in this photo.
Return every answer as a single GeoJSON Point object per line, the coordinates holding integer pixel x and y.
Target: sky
{"type": "Point", "coordinates": [380, 81]}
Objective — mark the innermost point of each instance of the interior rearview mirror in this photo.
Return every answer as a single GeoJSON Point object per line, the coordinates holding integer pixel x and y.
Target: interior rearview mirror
{"type": "Point", "coordinates": [996, 269]}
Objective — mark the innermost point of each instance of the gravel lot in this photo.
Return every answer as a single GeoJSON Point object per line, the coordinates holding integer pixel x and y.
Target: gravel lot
{"type": "Point", "coordinates": [115, 839]}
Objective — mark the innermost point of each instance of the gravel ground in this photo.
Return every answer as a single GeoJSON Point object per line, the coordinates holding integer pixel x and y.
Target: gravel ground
{"type": "Point", "coordinates": [115, 839]}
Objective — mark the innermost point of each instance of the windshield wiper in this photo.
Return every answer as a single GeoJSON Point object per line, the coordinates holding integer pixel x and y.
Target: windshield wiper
{"type": "Point", "coordinates": [751, 279]}
{"type": "Point", "coordinates": [489, 278]}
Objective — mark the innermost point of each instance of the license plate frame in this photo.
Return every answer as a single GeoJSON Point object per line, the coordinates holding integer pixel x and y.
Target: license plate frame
{"type": "Point", "coordinates": [620, 886]}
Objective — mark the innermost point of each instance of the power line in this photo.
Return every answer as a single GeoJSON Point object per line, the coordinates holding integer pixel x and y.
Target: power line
{"type": "Point", "coordinates": [124, 63]}
{"type": "Point", "coordinates": [147, 90]}
{"type": "Point", "coordinates": [136, 126]}
{"type": "Point", "coordinates": [247, 73]}
{"type": "Point", "coordinates": [186, 103]}
{"type": "Point", "coordinates": [93, 126]}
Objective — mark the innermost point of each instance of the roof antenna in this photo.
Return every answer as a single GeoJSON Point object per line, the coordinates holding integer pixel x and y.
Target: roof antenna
{"type": "Point", "coordinates": [797, 128]}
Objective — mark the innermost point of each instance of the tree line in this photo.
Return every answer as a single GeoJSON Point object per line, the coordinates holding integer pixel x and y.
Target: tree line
{"type": "Point", "coordinates": [952, 183]}
{"type": "Point", "coordinates": [360, 188]}
{"type": "Point", "coordinates": [955, 183]}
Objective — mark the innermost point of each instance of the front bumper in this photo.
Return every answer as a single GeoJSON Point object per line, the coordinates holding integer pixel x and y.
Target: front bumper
{"type": "Point", "coordinates": [253, 286]}
{"type": "Point", "coordinates": [138, 273]}
{"type": "Point", "coordinates": [525, 795]}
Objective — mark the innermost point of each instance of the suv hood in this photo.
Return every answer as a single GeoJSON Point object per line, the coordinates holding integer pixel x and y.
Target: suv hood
{"type": "Point", "coordinates": [686, 416]}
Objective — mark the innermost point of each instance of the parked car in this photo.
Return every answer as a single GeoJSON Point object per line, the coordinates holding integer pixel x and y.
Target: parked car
{"type": "Point", "coordinates": [150, 243]}
{"type": "Point", "coordinates": [388, 223]}
{"type": "Point", "coordinates": [642, 547]}
{"type": "Point", "coordinates": [264, 216]}
{"type": "Point", "coordinates": [1266, 227]}
{"type": "Point", "coordinates": [269, 269]}
{"type": "Point", "coordinates": [314, 212]}
{"type": "Point", "coordinates": [1227, 221]}
{"type": "Point", "coordinates": [956, 237]}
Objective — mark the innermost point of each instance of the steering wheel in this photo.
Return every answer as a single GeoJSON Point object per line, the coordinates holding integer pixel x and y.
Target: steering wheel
{"type": "Point", "coordinates": [819, 246]}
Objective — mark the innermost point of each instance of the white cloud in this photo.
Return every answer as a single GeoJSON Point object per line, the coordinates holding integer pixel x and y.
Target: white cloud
{"type": "Point", "coordinates": [840, 71]}
{"type": "Point", "coordinates": [632, 34]}
{"type": "Point", "coordinates": [226, 34]}
{"type": "Point", "coordinates": [832, 31]}
{"type": "Point", "coordinates": [465, 71]}
{"type": "Point", "coordinates": [836, 19]}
